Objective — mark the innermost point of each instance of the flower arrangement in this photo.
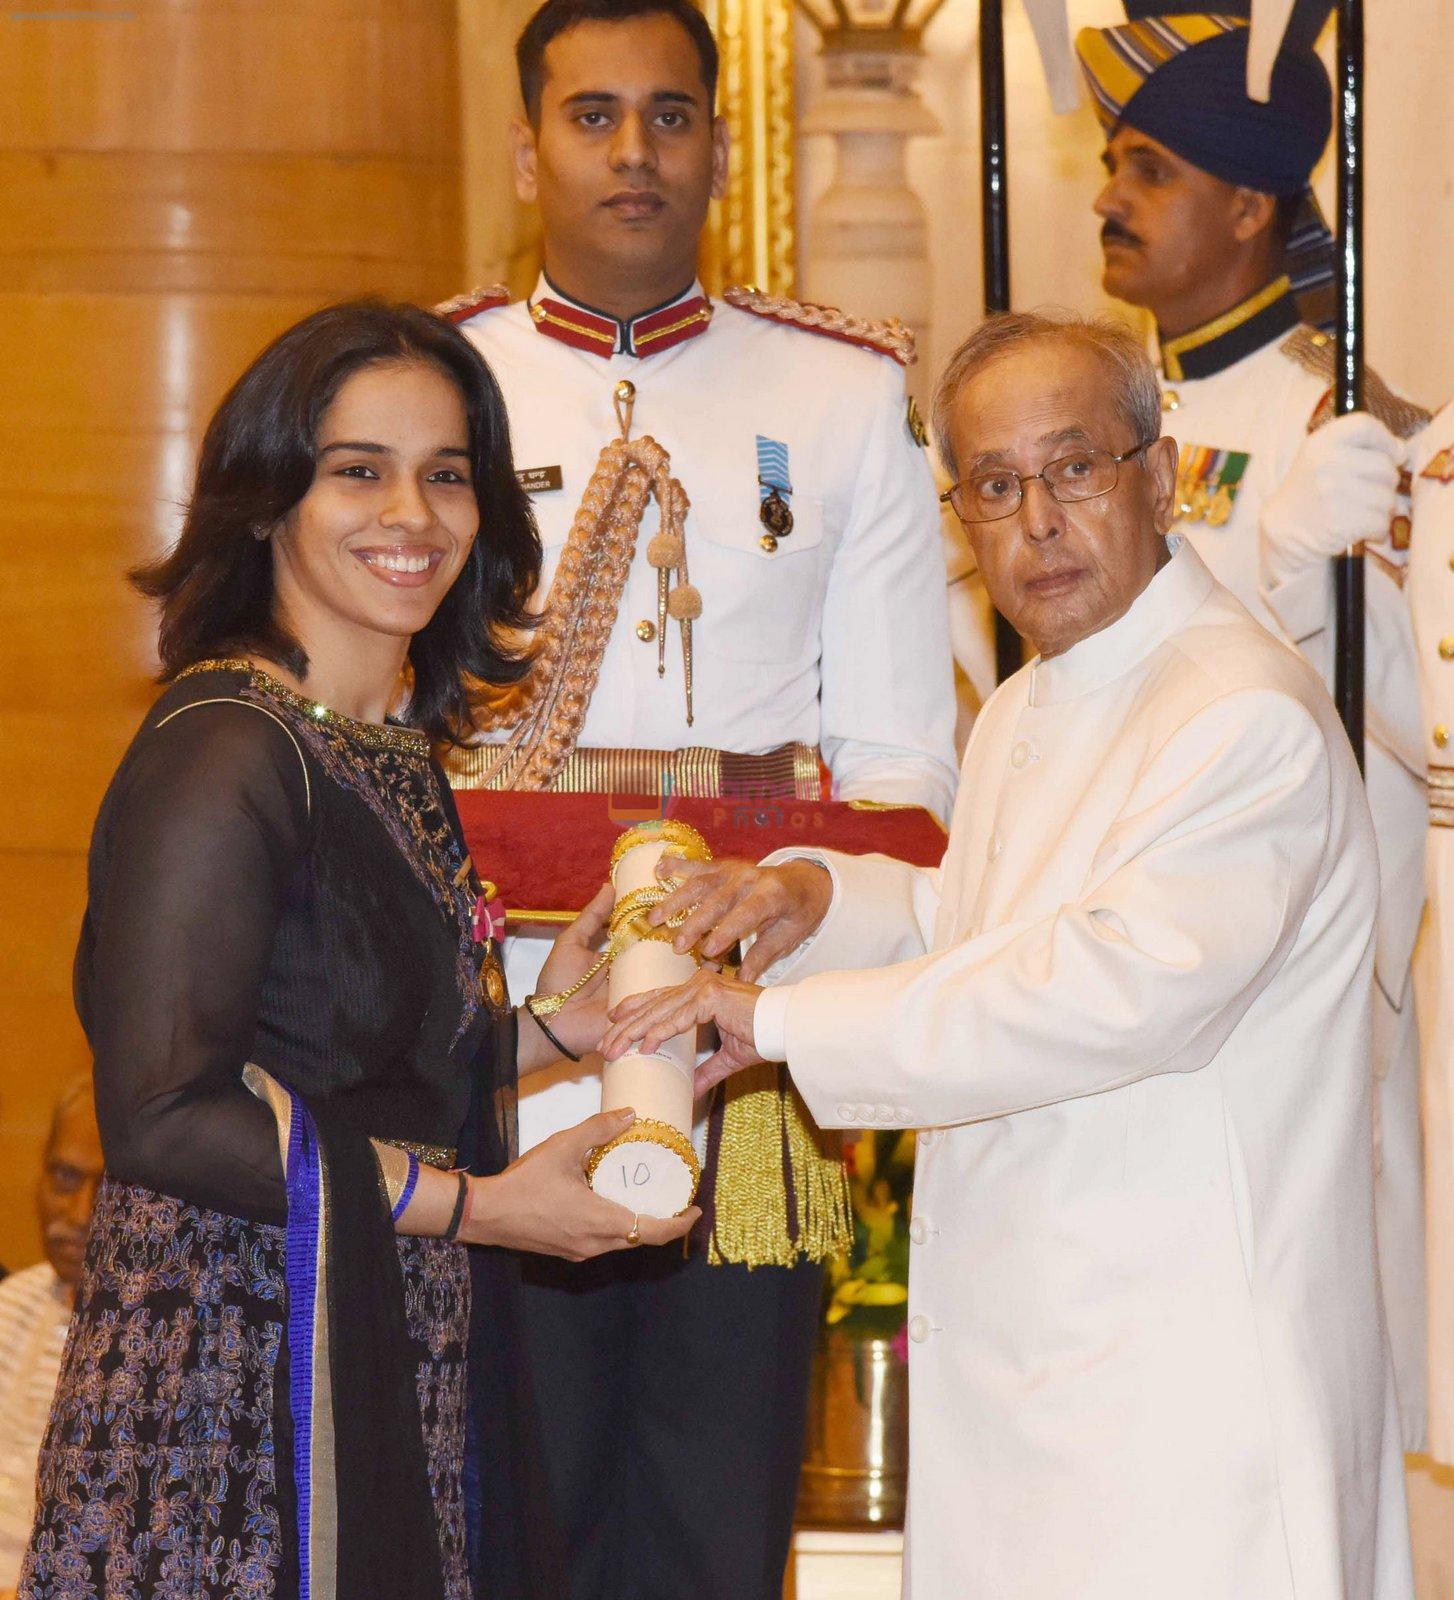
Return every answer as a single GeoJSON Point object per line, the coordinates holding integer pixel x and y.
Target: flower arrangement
{"type": "Point", "coordinates": [868, 1289]}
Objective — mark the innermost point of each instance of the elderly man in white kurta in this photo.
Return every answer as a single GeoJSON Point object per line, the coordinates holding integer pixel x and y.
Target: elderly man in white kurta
{"type": "Point", "coordinates": [1131, 1013]}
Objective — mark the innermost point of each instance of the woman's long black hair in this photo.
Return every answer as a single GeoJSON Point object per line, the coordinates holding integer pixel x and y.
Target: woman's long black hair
{"type": "Point", "coordinates": [257, 462]}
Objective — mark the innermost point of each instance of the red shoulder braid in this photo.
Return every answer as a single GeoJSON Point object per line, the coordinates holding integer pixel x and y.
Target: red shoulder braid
{"type": "Point", "coordinates": [890, 338]}
{"type": "Point", "coordinates": [465, 306]}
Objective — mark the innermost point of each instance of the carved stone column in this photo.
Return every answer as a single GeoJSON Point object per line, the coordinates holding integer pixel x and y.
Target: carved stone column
{"type": "Point", "coordinates": [865, 243]}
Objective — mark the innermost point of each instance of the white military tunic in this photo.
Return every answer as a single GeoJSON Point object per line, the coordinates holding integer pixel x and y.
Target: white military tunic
{"type": "Point", "coordinates": [838, 637]}
{"type": "Point", "coordinates": [1431, 595]}
{"type": "Point", "coordinates": [1147, 1351]}
{"type": "Point", "coordinates": [1261, 405]}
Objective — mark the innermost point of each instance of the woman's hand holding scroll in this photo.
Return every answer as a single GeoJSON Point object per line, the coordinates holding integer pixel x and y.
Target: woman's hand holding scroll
{"type": "Point", "coordinates": [543, 1203]}
{"type": "Point", "coordinates": [578, 1025]}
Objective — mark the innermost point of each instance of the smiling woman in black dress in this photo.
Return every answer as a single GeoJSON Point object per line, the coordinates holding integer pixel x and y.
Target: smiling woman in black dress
{"type": "Point", "coordinates": [300, 1032]}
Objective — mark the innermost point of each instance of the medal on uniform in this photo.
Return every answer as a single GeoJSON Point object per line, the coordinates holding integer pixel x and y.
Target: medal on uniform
{"type": "Point", "coordinates": [1441, 466]}
{"type": "Point", "coordinates": [775, 491]}
{"type": "Point", "coordinates": [1219, 507]}
{"type": "Point", "coordinates": [1207, 481]}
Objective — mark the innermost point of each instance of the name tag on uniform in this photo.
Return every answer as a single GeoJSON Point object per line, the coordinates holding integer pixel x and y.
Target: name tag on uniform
{"type": "Point", "coordinates": [538, 480]}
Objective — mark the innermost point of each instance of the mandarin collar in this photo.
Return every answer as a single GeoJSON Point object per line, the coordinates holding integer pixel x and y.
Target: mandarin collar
{"type": "Point", "coordinates": [1216, 345]}
{"type": "Point", "coordinates": [1163, 606]}
{"type": "Point", "coordinates": [584, 327]}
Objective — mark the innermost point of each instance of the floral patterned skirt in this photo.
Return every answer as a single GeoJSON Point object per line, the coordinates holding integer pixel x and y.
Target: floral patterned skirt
{"type": "Point", "coordinates": [157, 1477]}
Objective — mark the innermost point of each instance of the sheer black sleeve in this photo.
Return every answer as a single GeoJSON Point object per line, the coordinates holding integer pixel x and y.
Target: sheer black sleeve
{"type": "Point", "coordinates": [491, 1140]}
{"type": "Point", "coordinates": [199, 838]}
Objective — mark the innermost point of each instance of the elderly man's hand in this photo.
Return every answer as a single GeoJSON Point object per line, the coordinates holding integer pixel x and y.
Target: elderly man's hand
{"type": "Point", "coordinates": [645, 1021]}
{"type": "Point", "coordinates": [730, 900]}
{"type": "Point", "coordinates": [1341, 491]}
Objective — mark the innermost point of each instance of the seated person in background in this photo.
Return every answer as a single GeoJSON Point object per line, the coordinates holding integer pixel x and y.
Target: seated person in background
{"type": "Point", "coordinates": [35, 1310]}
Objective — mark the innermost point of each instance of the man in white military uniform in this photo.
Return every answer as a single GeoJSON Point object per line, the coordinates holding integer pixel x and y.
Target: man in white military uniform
{"type": "Point", "coordinates": [1208, 223]}
{"type": "Point", "coordinates": [1131, 1012]}
{"type": "Point", "coordinates": [803, 614]}
{"type": "Point", "coordinates": [1431, 595]}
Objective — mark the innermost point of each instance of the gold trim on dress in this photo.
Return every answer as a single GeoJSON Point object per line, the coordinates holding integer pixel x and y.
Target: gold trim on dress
{"type": "Point", "coordinates": [432, 1155]}
{"type": "Point", "coordinates": [373, 735]}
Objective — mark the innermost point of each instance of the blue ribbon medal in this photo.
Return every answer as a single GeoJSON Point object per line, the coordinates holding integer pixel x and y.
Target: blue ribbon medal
{"type": "Point", "coordinates": [774, 492]}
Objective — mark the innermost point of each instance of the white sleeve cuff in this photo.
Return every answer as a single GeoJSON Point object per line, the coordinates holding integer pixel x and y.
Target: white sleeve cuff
{"type": "Point", "coordinates": [770, 1023]}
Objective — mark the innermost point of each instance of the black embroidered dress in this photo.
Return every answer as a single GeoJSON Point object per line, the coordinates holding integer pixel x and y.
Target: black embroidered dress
{"type": "Point", "coordinates": [277, 884]}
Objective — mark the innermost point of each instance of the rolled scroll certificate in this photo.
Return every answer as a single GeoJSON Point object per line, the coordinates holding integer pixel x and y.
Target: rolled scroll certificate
{"type": "Point", "coordinates": [651, 1168]}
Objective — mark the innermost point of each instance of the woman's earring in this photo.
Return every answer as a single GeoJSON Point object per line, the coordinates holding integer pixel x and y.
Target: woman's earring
{"type": "Point", "coordinates": [260, 531]}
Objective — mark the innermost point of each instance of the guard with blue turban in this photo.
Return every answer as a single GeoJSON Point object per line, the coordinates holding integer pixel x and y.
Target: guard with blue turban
{"type": "Point", "coordinates": [1210, 224]}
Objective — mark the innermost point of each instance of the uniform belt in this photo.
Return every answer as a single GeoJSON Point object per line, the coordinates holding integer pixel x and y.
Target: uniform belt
{"type": "Point", "coordinates": [792, 771]}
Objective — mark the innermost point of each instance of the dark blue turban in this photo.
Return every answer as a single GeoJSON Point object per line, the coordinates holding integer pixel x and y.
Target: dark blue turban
{"type": "Point", "coordinates": [1196, 104]}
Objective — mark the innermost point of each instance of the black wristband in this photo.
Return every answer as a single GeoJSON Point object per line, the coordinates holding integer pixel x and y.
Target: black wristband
{"type": "Point", "coordinates": [457, 1214]}
{"type": "Point", "coordinates": [570, 1055]}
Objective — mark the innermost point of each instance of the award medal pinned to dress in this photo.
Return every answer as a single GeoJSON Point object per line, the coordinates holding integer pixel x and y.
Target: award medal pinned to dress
{"type": "Point", "coordinates": [488, 927]}
{"type": "Point", "coordinates": [775, 492]}
{"type": "Point", "coordinates": [1441, 466]}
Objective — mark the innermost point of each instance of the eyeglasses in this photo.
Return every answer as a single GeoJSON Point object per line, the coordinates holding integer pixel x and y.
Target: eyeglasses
{"type": "Point", "coordinates": [1083, 475]}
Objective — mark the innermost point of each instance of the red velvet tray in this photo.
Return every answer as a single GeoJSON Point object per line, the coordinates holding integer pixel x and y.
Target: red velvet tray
{"type": "Point", "coordinates": [548, 853]}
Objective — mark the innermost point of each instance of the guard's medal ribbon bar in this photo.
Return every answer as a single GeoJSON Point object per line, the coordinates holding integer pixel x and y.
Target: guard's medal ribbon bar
{"type": "Point", "coordinates": [1207, 482]}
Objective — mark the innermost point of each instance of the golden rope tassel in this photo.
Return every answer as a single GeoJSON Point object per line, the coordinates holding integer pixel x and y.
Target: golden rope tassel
{"type": "Point", "coordinates": [685, 601]}
{"type": "Point", "coordinates": [764, 1123]}
{"type": "Point", "coordinates": [750, 1193]}
{"type": "Point", "coordinates": [825, 1211]}
{"type": "Point", "coordinates": [545, 714]}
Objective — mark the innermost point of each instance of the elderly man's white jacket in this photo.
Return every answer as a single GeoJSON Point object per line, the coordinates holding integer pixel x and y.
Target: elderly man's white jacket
{"type": "Point", "coordinates": [1148, 1356]}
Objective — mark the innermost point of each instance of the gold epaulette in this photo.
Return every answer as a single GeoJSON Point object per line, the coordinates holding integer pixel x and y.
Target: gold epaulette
{"type": "Point", "coordinates": [889, 338]}
{"type": "Point", "coordinates": [465, 306]}
{"type": "Point", "coordinates": [1315, 352]}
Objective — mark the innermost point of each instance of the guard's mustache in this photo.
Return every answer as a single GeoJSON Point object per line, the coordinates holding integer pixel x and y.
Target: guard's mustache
{"type": "Point", "coordinates": [1114, 233]}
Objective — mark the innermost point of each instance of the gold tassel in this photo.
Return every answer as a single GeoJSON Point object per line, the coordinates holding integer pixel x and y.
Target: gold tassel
{"type": "Point", "coordinates": [825, 1210]}
{"type": "Point", "coordinates": [750, 1193]}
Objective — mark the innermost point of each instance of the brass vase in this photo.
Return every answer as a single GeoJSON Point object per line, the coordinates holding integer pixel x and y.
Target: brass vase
{"type": "Point", "coordinates": [856, 1467]}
